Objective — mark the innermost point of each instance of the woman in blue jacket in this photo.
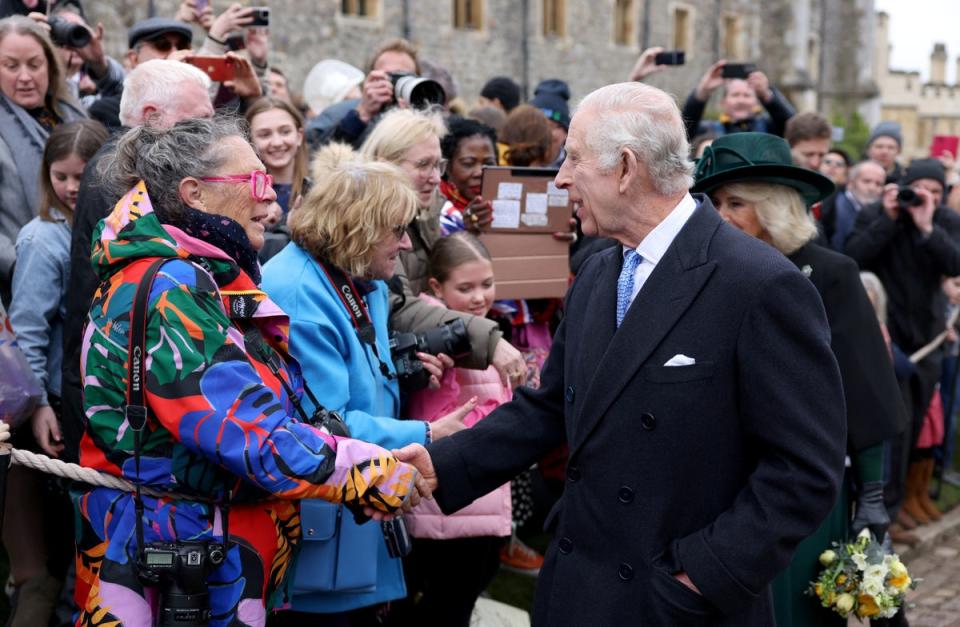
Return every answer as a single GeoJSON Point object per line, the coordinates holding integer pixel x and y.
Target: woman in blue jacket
{"type": "Point", "coordinates": [330, 281]}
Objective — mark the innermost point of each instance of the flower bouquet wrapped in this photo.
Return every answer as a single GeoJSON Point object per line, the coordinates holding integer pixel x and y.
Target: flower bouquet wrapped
{"type": "Point", "coordinates": [862, 578]}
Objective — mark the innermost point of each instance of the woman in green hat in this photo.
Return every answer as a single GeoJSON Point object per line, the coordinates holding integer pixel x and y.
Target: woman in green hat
{"type": "Point", "coordinates": [754, 185]}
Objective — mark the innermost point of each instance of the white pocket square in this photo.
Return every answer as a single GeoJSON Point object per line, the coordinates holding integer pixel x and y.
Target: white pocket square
{"type": "Point", "coordinates": [680, 360]}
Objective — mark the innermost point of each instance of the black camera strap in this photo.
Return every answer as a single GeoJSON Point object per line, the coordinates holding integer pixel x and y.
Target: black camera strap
{"type": "Point", "coordinates": [357, 310]}
{"type": "Point", "coordinates": [135, 411]}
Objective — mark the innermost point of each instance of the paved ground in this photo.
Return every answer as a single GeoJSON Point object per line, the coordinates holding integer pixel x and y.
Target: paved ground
{"type": "Point", "coordinates": [936, 601]}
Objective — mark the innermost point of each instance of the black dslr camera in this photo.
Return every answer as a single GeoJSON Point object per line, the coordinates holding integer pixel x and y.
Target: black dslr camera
{"type": "Point", "coordinates": [179, 570]}
{"type": "Point", "coordinates": [419, 92]}
{"type": "Point", "coordinates": [451, 339]}
{"type": "Point", "coordinates": [907, 198]}
{"type": "Point", "coordinates": [64, 33]}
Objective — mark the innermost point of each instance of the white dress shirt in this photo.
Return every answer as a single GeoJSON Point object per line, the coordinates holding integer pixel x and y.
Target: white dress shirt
{"type": "Point", "coordinates": [657, 241]}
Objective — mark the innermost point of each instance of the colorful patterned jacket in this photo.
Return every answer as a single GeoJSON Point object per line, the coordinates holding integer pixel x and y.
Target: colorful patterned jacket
{"type": "Point", "coordinates": [220, 423]}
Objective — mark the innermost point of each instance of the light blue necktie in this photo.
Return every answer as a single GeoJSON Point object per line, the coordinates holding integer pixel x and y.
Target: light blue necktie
{"type": "Point", "coordinates": [631, 260]}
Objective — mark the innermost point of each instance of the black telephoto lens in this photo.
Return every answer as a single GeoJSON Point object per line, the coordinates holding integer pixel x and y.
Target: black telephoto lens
{"type": "Point", "coordinates": [64, 33]}
{"type": "Point", "coordinates": [906, 197]}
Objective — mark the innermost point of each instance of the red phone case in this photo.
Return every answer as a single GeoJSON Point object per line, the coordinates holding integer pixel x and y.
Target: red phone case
{"type": "Point", "coordinates": [219, 69]}
{"type": "Point", "coordinates": [941, 143]}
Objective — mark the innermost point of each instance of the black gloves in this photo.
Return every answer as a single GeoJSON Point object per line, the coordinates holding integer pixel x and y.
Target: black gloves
{"type": "Point", "coordinates": [871, 513]}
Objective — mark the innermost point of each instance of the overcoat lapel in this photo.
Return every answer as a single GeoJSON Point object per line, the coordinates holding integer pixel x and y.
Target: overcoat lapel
{"type": "Point", "coordinates": [668, 292]}
{"type": "Point", "coordinates": [600, 322]}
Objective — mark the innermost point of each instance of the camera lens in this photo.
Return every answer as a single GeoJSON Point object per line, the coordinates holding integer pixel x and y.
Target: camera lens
{"type": "Point", "coordinates": [906, 197]}
{"type": "Point", "coordinates": [64, 33]}
{"type": "Point", "coordinates": [419, 92]}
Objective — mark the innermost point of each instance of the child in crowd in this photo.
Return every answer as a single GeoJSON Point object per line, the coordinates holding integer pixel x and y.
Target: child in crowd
{"type": "Point", "coordinates": [38, 529]}
{"type": "Point", "coordinates": [455, 557]}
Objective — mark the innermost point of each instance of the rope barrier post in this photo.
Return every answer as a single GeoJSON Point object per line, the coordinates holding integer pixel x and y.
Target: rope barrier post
{"type": "Point", "coordinates": [5, 450]}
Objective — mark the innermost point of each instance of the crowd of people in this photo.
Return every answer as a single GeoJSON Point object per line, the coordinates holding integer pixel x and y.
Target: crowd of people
{"type": "Point", "coordinates": [216, 283]}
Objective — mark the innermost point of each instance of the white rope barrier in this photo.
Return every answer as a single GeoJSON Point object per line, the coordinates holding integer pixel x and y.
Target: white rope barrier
{"type": "Point", "coordinates": [90, 476]}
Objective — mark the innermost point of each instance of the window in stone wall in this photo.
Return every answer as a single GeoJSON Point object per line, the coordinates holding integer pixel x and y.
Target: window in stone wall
{"type": "Point", "coordinates": [468, 14]}
{"type": "Point", "coordinates": [359, 8]}
{"type": "Point", "coordinates": [554, 18]}
{"type": "Point", "coordinates": [682, 27]}
{"type": "Point", "coordinates": [732, 38]}
{"type": "Point", "coordinates": [624, 30]}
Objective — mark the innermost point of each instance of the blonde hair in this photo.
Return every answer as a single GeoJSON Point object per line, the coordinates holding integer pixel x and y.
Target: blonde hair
{"type": "Point", "coordinates": [781, 212]}
{"type": "Point", "coordinates": [400, 130]}
{"type": "Point", "coordinates": [354, 205]}
{"type": "Point", "coordinates": [876, 293]}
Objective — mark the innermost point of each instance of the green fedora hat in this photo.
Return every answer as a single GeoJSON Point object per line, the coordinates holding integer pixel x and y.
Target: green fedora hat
{"type": "Point", "coordinates": [757, 158]}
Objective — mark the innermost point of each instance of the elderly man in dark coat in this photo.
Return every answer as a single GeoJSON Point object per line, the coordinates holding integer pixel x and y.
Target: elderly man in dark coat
{"type": "Point", "coordinates": [693, 380]}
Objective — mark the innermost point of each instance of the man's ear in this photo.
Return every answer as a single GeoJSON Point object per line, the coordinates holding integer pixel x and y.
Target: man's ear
{"type": "Point", "coordinates": [190, 193]}
{"type": "Point", "coordinates": [628, 169]}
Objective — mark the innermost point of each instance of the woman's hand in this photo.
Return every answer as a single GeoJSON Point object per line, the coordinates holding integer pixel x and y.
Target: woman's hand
{"type": "Point", "coordinates": [510, 364]}
{"type": "Point", "coordinates": [478, 214]}
{"type": "Point", "coordinates": [646, 64]}
{"type": "Point", "coordinates": [46, 430]}
{"type": "Point", "coordinates": [435, 365]}
{"type": "Point", "coordinates": [245, 83]}
{"type": "Point", "coordinates": [570, 235]}
{"type": "Point", "coordinates": [452, 422]}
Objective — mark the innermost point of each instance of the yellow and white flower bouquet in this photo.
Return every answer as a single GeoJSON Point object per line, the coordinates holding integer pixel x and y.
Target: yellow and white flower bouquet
{"type": "Point", "coordinates": [862, 578]}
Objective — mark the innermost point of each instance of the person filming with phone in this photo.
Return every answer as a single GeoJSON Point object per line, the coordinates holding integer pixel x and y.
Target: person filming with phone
{"type": "Point", "coordinates": [748, 104]}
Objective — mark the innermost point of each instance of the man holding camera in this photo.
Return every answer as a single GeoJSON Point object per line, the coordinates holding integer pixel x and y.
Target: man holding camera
{"type": "Point", "coordinates": [910, 242]}
{"type": "Point", "coordinates": [745, 89]}
{"type": "Point", "coordinates": [396, 55]}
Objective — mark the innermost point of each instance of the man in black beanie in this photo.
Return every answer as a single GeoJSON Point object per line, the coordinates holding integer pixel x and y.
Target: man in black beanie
{"type": "Point", "coordinates": [552, 96]}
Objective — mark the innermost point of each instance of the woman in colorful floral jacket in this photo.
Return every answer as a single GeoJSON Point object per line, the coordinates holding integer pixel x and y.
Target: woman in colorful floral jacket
{"type": "Point", "coordinates": [222, 426]}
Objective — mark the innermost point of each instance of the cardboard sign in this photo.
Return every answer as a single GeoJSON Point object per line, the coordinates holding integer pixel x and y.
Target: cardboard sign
{"type": "Point", "coordinates": [528, 262]}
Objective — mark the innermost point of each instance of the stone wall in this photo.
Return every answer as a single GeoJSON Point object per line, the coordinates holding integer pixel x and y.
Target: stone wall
{"type": "Point", "coordinates": [305, 32]}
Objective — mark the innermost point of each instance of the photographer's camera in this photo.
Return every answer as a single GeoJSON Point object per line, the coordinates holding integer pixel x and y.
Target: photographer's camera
{"type": "Point", "coordinates": [451, 339]}
{"type": "Point", "coordinates": [179, 571]}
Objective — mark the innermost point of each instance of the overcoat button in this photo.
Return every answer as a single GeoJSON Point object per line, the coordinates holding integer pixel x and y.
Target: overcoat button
{"type": "Point", "coordinates": [625, 571]}
{"type": "Point", "coordinates": [573, 474]}
{"type": "Point", "coordinates": [625, 495]}
{"type": "Point", "coordinates": [571, 394]}
{"type": "Point", "coordinates": [565, 545]}
{"type": "Point", "coordinates": [647, 421]}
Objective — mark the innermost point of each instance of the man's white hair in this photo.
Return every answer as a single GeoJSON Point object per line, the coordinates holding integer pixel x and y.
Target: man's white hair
{"type": "Point", "coordinates": [157, 82]}
{"type": "Point", "coordinates": [646, 121]}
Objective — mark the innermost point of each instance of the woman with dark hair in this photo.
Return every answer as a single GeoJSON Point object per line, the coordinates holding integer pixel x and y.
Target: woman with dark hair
{"type": "Point", "coordinates": [528, 137]}
{"type": "Point", "coordinates": [38, 525]}
{"type": "Point", "coordinates": [751, 179]}
{"type": "Point", "coordinates": [221, 432]}
{"type": "Point", "coordinates": [468, 146]}
{"type": "Point", "coordinates": [34, 99]}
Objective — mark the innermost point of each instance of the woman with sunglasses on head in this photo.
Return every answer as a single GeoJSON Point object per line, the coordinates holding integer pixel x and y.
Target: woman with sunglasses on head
{"type": "Point", "coordinates": [752, 182]}
{"type": "Point", "coordinates": [331, 278]}
{"type": "Point", "coordinates": [217, 426]}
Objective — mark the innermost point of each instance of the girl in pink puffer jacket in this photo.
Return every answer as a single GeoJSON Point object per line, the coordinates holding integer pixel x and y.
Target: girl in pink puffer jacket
{"type": "Point", "coordinates": [455, 557]}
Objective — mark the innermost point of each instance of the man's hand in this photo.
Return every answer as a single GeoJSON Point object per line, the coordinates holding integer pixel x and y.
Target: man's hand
{"type": "Point", "coordinates": [923, 214]}
{"type": "Point", "coordinates": [46, 430]}
{"type": "Point", "coordinates": [245, 83]}
{"type": "Point", "coordinates": [377, 93]}
{"type": "Point", "coordinates": [435, 365]}
{"type": "Point", "coordinates": [646, 64]}
{"type": "Point", "coordinates": [760, 85]}
{"type": "Point", "coordinates": [510, 364]}
{"type": "Point", "coordinates": [452, 422]}
{"type": "Point", "coordinates": [234, 18]}
{"type": "Point", "coordinates": [710, 80]}
{"type": "Point", "coordinates": [418, 457]}
{"type": "Point", "coordinates": [889, 199]}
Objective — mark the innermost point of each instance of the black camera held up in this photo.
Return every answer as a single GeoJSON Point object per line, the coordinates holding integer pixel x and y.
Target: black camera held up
{"type": "Point", "coordinates": [451, 339]}
{"type": "Point", "coordinates": [68, 34]}
{"type": "Point", "coordinates": [419, 92]}
{"type": "Point", "coordinates": [179, 571]}
{"type": "Point", "coordinates": [907, 197]}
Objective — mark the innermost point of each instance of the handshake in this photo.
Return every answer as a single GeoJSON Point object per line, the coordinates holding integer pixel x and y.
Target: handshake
{"type": "Point", "coordinates": [425, 481]}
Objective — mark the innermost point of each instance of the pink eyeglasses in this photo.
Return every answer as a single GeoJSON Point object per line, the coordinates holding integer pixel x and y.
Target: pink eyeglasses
{"type": "Point", "coordinates": [259, 180]}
